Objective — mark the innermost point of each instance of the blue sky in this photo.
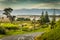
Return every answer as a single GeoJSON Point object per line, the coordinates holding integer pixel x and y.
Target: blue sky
{"type": "Point", "coordinates": [33, 11]}
{"type": "Point", "coordinates": [18, 5]}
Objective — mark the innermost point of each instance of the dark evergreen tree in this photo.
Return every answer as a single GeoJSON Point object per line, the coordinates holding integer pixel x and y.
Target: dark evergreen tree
{"type": "Point", "coordinates": [47, 18]}
{"type": "Point", "coordinates": [42, 20]}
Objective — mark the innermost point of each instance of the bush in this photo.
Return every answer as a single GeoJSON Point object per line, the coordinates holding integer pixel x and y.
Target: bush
{"type": "Point", "coordinates": [54, 34]}
{"type": "Point", "coordinates": [44, 26]}
{"type": "Point", "coordinates": [2, 30]}
{"type": "Point", "coordinates": [23, 19]}
{"type": "Point", "coordinates": [12, 28]}
{"type": "Point", "coordinates": [26, 29]}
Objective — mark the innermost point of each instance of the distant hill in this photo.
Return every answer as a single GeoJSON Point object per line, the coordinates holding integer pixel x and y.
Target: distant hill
{"type": "Point", "coordinates": [33, 11]}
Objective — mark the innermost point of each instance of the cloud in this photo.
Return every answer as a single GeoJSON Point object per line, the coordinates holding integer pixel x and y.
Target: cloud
{"type": "Point", "coordinates": [29, 4]}
{"type": "Point", "coordinates": [14, 0]}
{"type": "Point", "coordinates": [2, 0]}
{"type": "Point", "coordinates": [39, 6]}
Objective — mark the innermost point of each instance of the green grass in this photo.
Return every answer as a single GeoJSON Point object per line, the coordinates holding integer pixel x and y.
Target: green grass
{"type": "Point", "coordinates": [1, 36]}
{"type": "Point", "coordinates": [53, 34]}
{"type": "Point", "coordinates": [15, 32]}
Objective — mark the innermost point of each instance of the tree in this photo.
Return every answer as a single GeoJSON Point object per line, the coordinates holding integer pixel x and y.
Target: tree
{"type": "Point", "coordinates": [53, 20]}
{"type": "Point", "coordinates": [47, 18]}
{"type": "Point", "coordinates": [42, 20]}
{"type": "Point", "coordinates": [27, 19]}
{"type": "Point", "coordinates": [7, 12]}
{"type": "Point", "coordinates": [23, 19]}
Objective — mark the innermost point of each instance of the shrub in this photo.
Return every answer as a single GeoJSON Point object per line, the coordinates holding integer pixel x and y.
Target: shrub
{"type": "Point", "coordinates": [2, 30]}
{"type": "Point", "coordinates": [54, 34]}
{"type": "Point", "coordinates": [26, 29]}
{"type": "Point", "coordinates": [23, 19]}
{"type": "Point", "coordinates": [12, 28]}
{"type": "Point", "coordinates": [44, 26]}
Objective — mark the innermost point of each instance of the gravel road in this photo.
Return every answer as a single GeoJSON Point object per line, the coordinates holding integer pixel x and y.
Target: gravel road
{"type": "Point", "coordinates": [23, 36]}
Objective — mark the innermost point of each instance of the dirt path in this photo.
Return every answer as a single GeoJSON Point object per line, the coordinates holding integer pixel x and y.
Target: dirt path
{"type": "Point", "coordinates": [23, 36]}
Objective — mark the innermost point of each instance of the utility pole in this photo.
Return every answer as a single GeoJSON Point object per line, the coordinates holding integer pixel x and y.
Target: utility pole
{"type": "Point", "coordinates": [54, 16]}
{"type": "Point", "coordinates": [34, 21]}
{"type": "Point", "coordinates": [53, 20]}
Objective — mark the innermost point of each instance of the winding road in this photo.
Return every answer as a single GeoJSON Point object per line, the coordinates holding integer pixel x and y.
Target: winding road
{"type": "Point", "coordinates": [23, 36]}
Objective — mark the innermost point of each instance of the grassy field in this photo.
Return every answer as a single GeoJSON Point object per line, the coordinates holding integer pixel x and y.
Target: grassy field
{"type": "Point", "coordinates": [22, 27]}
{"type": "Point", "coordinates": [15, 28]}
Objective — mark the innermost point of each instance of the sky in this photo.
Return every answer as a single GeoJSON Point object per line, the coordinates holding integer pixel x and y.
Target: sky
{"type": "Point", "coordinates": [29, 4]}
{"type": "Point", "coordinates": [35, 11]}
